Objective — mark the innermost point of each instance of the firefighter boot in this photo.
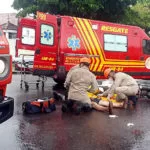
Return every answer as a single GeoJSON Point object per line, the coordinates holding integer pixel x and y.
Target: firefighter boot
{"type": "Point", "coordinates": [64, 108]}
{"type": "Point", "coordinates": [132, 101]}
{"type": "Point", "coordinates": [86, 107]}
{"type": "Point", "coordinates": [67, 106]}
{"type": "Point", "coordinates": [77, 108]}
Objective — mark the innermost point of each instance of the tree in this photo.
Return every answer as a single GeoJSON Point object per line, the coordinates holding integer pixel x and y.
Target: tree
{"type": "Point", "coordinates": [107, 10]}
{"type": "Point", "coordinates": [138, 15]}
{"type": "Point", "coordinates": [31, 6]}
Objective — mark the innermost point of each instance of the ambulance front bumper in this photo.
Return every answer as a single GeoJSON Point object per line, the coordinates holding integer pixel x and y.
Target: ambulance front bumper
{"type": "Point", "coordinates": [6, 108]}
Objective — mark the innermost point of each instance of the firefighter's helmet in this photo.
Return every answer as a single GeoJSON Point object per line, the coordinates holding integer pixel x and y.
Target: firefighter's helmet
{"type": "Point", "coordinates": [107, 72]}
{"type": "Point", "coordinates": [85, 60]}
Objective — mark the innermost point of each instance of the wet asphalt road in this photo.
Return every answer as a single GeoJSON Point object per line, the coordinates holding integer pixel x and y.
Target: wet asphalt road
{"type": "Point", "coordinates": [57, 131]}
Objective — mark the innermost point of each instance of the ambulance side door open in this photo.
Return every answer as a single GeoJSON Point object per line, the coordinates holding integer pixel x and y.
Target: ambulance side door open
{"type": "Point", "coordinates": [45, 57]}
{"type": "Point", "coordinates": [26, 42]}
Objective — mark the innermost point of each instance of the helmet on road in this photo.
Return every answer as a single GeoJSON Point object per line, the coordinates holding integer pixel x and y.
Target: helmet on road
{"type": "Point", "coordinates": [107, 72]}
{"type": "Point", "coordinates": [85, 60]}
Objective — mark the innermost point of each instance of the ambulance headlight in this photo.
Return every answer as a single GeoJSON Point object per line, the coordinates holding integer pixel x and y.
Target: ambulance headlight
{"type": "Point", "coordinates": [147, 63]}
{"type": "Point", "coordinates": [5, 66]}
{"type": "Point", "coordinates": [2, 66]}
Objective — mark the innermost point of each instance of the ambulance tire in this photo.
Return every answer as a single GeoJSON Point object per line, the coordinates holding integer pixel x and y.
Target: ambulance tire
{"type": "Point", "coordinates": [60, 82]}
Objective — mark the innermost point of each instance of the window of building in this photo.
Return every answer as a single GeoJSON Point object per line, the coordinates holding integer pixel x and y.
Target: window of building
{"type": "Point", "coordinates": [28, 36]}
{"type": "Point", "coordinates": [1, 33]}
{"type": "Point", "coordinates": [146, 46]}
{"type": "Point", "coordinates": [12, 35]}
{"type": "Point", "coordinates": [47, 34]}
{"type": "Point", "coordinates": [116, 43]}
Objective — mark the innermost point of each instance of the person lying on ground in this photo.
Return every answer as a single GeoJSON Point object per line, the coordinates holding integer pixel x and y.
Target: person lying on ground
{"type": "Point", "coordinates": [102, 104]}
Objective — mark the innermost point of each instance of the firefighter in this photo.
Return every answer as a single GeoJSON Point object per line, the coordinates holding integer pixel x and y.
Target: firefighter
{"type": "Point", "coordinates": [68, 75]}
{"type": "Point", "coordinates": [123, 85]}
{"type": "Point", "coordinates": [78, 82]}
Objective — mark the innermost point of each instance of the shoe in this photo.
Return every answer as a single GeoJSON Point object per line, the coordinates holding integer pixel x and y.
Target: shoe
{"type": "Point", "coordinates": [86, 107]}
{"type": "Point", "coordinates": [133, 99]}
{"type": "Point", "coordinates": [77, 109]}
{"type": "Point", "coordinates": [110, 108]}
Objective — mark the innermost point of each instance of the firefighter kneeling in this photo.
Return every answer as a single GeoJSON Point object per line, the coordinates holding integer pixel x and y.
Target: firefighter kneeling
{"type": "Point", "coordinates": [123, 85]}
{"type": "Point", "coordinates": [78, 82]}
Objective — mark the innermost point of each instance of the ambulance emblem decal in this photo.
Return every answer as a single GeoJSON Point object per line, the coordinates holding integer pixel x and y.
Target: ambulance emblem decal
{"type": "Point", "coordinates": [73, 42]}
{"type": "Point", "coordinates": [47, 35]}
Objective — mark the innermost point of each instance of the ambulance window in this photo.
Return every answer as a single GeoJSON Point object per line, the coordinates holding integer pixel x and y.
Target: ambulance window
{"type": "Point", "coordinates": [146, 46]}
{"type": "Point", "coordinates": [117, 43]}
{"type": "Point", "coordinates": [28, 36]}
{"type": "Point", "coordinates": [47, 34]}
{"type": "Point", "coordinates": [12, 35]}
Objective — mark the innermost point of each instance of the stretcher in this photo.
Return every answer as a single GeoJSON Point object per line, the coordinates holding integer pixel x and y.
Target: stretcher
{"type": "Point", "coordinates": [26, 68]}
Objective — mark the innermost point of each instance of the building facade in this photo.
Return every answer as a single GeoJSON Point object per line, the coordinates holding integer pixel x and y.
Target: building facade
{"type": "Point", "coordinates": [9, 23]}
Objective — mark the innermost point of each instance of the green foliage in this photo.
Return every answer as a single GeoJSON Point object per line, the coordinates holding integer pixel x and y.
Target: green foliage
{"type": "Point", "coordinates": [133, 12]}
{"type": "Point", "coordinates": [139, 15]}
{"type": "Point", "coordinates": [107, 10]}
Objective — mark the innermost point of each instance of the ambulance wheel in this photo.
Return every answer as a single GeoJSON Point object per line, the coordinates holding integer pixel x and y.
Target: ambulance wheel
{"type": "Point", "coordinates": [59, 81]}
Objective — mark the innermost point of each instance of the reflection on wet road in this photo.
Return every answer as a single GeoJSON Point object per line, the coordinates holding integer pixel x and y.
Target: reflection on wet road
{"type": "Point", "coordinates": [89, 131]}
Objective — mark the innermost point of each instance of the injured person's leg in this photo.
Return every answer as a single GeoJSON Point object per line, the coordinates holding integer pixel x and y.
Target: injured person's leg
{"type": "Point", "coordinates": [115, 105]}
{"type": "Point", "coordinates": [107, 107]}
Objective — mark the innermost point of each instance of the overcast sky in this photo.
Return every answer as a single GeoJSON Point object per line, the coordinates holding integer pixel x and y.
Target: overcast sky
{"type": "Point", "coordinates": [5, 6]}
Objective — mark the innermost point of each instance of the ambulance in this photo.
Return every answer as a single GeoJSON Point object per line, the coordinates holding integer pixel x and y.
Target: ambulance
{"type": "Point", "coordinates": [58, 43]}
{"type": "Point", "coordinates": [6, 103]}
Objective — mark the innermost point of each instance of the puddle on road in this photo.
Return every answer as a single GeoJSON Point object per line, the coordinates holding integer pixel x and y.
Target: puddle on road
{"type": "Point", "coordinates": [97, 130]}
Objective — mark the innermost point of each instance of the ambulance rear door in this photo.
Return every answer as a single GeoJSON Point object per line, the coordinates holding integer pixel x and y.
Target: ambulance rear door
{"type": "Point", "coordinates": [26, 42]}
{"type": "Point", "coordinates": [45, 57]}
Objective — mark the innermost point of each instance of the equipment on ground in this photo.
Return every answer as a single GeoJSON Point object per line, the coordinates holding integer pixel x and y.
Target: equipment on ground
{"type": "Point", "coordinates": [44, 105]}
